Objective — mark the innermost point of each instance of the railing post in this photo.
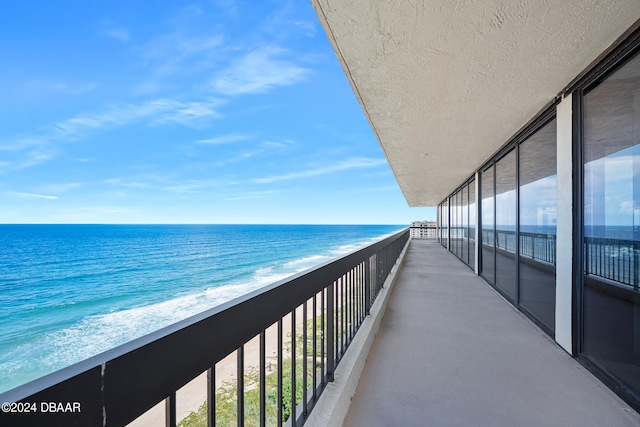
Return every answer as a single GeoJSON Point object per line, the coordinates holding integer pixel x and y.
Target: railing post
{"type": "Point", "coordinates": [240, 386]}
{"type": "Point", "coordinates": [293, 417]}
{"type": "Point", "coordinates": [533, 247]}
{"type": "Point", "coordinates": [170, 410]}
{"type": "Point", "coordinates": [263, 378]}
{"type": "Point", "coordinates": [367, 287]}
{"type": "Point", "coordinates": [211, 396]}
{"type": "Point", "coordinates": [330, 332]}
{"type": "Point", "coordinates": [374, 275]}
{"type": "Point", "coordinates": [280, 376]}
{"type": "Point", "coordinates": [586, 257]}
{"type": "Point", "coordinates": [634, 248]}
{"type": "Point", "coordinates": [379, 271]}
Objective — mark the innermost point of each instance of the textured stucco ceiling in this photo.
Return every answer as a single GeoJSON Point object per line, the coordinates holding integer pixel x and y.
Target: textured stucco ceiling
{"type": "Point", "coordinates": [445, 83]}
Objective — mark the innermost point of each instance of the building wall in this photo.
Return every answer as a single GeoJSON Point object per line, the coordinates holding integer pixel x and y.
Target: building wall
{"type": "Point", "coordinates": [424, 229]}
{"type": "Point", "coordinates": [558, 219]}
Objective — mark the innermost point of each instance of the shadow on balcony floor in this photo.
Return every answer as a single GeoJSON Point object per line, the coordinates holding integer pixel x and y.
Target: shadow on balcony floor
{"type": "Point", "coordinates": [452, 352]}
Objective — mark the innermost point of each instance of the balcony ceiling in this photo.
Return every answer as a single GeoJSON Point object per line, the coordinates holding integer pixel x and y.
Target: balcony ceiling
{"type": "Point", "coordinates": [444, 84]}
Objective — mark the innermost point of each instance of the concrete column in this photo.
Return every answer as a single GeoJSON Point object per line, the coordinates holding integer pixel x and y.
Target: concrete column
{"type": "Point", "coordinates": [564, 240]}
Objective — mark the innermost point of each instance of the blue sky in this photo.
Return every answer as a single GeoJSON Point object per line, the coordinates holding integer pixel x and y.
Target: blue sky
{"type": "Point", "coordinates": [175, 112]}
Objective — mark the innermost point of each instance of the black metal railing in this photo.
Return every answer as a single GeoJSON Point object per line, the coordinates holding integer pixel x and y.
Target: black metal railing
{"type": "Point", "coordinates": [537, 246]}
{"type": "Point", "coordinates": [312, 317]}
{"type": "Point", "coordinates": [613, 259]}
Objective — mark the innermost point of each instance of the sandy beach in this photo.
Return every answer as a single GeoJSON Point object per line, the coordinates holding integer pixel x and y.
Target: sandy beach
{"type": "Point", "coordinates": [190, 397]}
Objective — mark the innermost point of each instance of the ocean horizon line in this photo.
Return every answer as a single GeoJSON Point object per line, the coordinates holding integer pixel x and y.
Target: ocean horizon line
{"type": "Point", "coordinates": [203, 223]}
{"type": "Point", "coordinates": [74, 290]}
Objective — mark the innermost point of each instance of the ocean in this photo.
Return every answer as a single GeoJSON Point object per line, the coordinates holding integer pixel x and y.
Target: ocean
{"type": "Point", "coordinates": [69, 292]}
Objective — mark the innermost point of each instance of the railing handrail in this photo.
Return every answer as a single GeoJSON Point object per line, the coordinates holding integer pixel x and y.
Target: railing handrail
{"type": "Point", "coordinates": [118, 385]}
{"type": "Point", "coordinates": [613, 259]}
{"type": "Point", "coordinates": [613, 241]}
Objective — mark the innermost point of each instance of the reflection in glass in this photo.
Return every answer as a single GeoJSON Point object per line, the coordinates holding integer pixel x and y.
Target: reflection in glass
{"type": "Point", "coordinates": [454, 223]}
{"type": "Point", "coordinates": [440, 229]}
{"type": "Point", "coordinates": [459, 224]}
{"type": "Point", "coordinates": [611, 224]}
{"type": "Point", "coordinates": [488, 226]}
{"type": "Point", "coordinates": [464, 204]}
{"type": "Point", "coordinates": [472, 223]}
{"type": "Point", "coordinates": [445, 223]}
{"type": "Point", "coordinates": [538, 202]}
{"type": "Point", "coordinates": [506, 224]}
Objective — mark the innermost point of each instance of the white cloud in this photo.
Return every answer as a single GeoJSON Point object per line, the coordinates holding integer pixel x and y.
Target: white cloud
{"type": "Point", "coordinates": [159, 183]}
{"type": "Point", "coordinates": [44, 86]}
{"type": "Point", "coordinates": [191, 113]}
{"type": "Point", "coordinates": [224, 139]}
{"type": "Point", "coordinates": [159, 111]}
{"type": "Point", "coordinates": [253, 195]}
{"type": "Point", "coordinates": [355, 163]}
{"type": "Point", "coordinates": [168, 54]}
{"type": "Point", "coordinates": [119, 34]}
{"type": "Point", "coordinates": [26, 155]}
{"type": "Point", "coordinates": [74, 89]}
{"type": "Point", "coordinates": [258, 72]}
{"type": "Point", "coordinates": [32, 158]}
{"type": "Point", "coordinates": [307, 27]}
{"type": "Point", "coordinates": [62, 188]}
{"type": "Point", "coordinates": [94, 213]}
{"type": "Point", "coordinates": [31, 195]}
{"type": "Point", "coordinates": [273, 144]}
{"type": "Point", "coordinates": [22, 144]}
{"type": "Point", "coordinates": [248, 197]}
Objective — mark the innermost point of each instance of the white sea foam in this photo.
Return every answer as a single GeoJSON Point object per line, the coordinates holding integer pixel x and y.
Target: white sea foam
{"type": "Point", "coordinates": [305, 263]}
{"type": "Point", "coordinates": [97, 333]}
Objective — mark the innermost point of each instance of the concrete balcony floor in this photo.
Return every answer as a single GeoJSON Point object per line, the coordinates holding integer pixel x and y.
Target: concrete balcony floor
{"type": "Point", "coordinates": [452, 352]}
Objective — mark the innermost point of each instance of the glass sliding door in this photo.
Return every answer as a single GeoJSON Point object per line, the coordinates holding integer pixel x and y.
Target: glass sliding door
{"type": "Point", "coordinates": [488, 225]}
{"type": "Point", "coordinates": [454, 224]}
{"type": "Point", "coordinates": [611, 218]}
{"type": "Point", "coordinates": [464, 219]}
{"type": "Point", "coordinates": [538, 202]}
{"type": "Point", "coordinates": [472, 223]}
{"type": "Point", "coordinates": [459, 224]}
{"type": "Point", "coordinates": [445, 223]}
{"type": "Point", "coordinates": [506, 224]}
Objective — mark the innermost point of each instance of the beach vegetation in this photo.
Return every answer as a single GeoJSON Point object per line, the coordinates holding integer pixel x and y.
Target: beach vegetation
{"type": "Point", "coordinates": [226, 404]}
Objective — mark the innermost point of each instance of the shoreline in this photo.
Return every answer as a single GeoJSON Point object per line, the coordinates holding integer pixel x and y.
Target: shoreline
{"type": "Point", "coordinates": [78, 337]}
{"type": "Point", "coordinates": [190, 397]}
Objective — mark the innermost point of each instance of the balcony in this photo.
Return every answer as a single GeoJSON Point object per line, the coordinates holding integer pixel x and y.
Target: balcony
{"type": "Point", "coordinates": [405, 335]}
{"type": "Point", "coordinates": [452, 352]}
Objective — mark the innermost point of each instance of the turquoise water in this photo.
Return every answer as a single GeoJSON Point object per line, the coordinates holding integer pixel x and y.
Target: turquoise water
{"type": "Point", "coordinates": [68, 292]}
